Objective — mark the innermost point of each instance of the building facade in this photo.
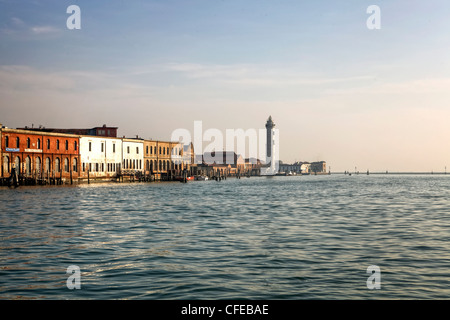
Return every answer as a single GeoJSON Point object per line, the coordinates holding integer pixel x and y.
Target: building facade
{"type": "Point", "coordinates": [318, 167]}
{"type": "Point", "coordinates": [132, 156]}
{"type": "Point", "coordinates": [40, 155]}
{"type": "Point", "coordinates": [101, 157]}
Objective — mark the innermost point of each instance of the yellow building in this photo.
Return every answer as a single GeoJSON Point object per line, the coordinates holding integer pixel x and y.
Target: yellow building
{"type": "Point", "coordinates": [165, 160]}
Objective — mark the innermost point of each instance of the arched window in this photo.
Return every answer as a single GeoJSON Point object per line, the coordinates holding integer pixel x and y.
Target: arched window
{"type": "Point", "coordinates": [17, 142]}
{"type": "Point", "coordinates": [38, 165]}
{"type": "Point", "coordinates": [57, 145]}
{"type": "Point", "coordinates": [6, 164]}
{"type": "Point", "coordinates": [18, 164]}
{"type": "Point", "coordinates": [75, 146]}
{"type": "Point", "coordinates": [57, 164]}
{"type": "Point", "coordinates": [75, 165]}
{"type": "Point", "coordinates": [66, 164]}
{"type": "Point", "coordinates": [48, 167]}
{"type": "Point", "coordinates": [28, 166]}
{"type": "Point", "coordinates": [48, 143]}
{"type": "Point", "coordinates": [39, 143]}
{"type": "Point", "coordinates": [67, 145]}
{"type": "Point", "coordinates": [28, 143]}
{"type": "Point", "coordinates": [159, 150]}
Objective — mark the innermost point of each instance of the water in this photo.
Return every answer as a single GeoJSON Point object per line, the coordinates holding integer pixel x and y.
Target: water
{"type": "Point", "coordinates": [309, 237]}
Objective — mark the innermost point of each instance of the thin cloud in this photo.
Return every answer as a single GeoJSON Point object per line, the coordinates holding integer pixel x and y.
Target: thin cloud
{"type": "Point", "coordinates": [44, 30]}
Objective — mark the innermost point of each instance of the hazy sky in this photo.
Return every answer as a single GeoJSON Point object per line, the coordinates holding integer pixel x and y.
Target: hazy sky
{"type": "Point", "coordinates": [337, 91]}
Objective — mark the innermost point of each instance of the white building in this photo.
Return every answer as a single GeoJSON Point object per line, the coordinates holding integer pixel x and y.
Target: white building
{"type": "Point", "coordinates": [132, 155]}
{"type": "Point", "coordinates": [101, 156]}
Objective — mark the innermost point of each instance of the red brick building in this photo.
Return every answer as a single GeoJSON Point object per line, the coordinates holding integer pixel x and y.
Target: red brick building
{"type": "Point", "coordinates": [40, 155]}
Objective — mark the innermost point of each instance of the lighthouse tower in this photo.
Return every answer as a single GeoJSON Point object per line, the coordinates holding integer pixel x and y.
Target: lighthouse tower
{"type": "Point", "coordinates": [270, 142]}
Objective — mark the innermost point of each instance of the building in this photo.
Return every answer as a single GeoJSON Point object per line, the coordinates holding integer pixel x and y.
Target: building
{"type": "Point", "coordinates": [40, 155]}
{"type": "Point", "coordinates": [103, 131]}
{"type": "Point", "coordinates": [223, 162]}
{"type": "Point", "coordinates": [101, 157]}
{"type": "Point", "coordinates": [290, 168]}
{"type": "Point", "coordinates": [319, 167]}
{"type": "Point", "coordinates": [132, 156]}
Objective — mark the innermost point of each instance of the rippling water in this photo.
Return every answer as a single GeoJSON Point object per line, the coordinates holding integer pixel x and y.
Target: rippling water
{"type": "Point", "coordinates": [309, 237]}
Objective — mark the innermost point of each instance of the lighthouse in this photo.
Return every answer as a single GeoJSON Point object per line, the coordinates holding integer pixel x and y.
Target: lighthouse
{"type": "Point", "coordinates": [270, 140]}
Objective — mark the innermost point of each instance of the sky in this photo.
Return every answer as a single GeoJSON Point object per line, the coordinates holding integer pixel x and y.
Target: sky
{"type": "Point", "coordinates": [337, 91]}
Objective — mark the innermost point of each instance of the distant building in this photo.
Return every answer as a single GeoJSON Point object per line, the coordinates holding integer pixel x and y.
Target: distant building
{"type": "Point", "coordinates": [223, 162]}
{"type": "Point", "coordinates": [103, 131]}
{"type": "Point", "coordinates": [318, 167]}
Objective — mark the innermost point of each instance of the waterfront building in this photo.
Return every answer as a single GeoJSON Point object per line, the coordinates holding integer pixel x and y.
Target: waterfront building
{"type": "Point", "coordinates": [101, 157]}
{"type": "Point", "coordinates": [318, 167]}
{"type": "Point", "coordinates": [305, 167]}
{"type": "Point", "coordinates": [165, 158]}
{"type": "Point", "coordinates": [290, 168]}
{"type": "Point", "coordinates": [132, 156]}
{"type": "Point", "coordinates": [40, 155]}
{"type": "Point", "coordinates": [223, 162]}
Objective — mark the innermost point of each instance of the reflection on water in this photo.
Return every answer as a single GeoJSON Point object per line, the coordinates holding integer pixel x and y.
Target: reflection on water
{"type": "Point", "coordinates": [309, 237]}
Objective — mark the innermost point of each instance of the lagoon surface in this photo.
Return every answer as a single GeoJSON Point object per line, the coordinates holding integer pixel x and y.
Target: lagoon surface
{"type": "Point", "coordinates": [299, 237]}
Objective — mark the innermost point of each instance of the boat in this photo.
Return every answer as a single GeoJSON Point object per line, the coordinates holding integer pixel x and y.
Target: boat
{"type": "Point", "coordinates": [202, 178]}
{"type": "Point", "coordinates": [181, 178]}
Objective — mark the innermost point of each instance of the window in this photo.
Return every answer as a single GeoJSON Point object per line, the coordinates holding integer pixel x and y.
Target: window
{"type": "Point", "coordinates": [67, 145]}
{"type": "Point", "coordinates": [75, 146]}
{"type": "Point", "coordinates": [28, 143]}
{"type": "Point", "coordinates": [146, 150]}
{"type": "Point", "coordinates": [66, 165]}
{"type": "Point", "coordinates": [159, 150]}
{"type": "Point", "coordinates": [75, 164]}
{"type": "Point", "coordinates": [84, 166]}
{"type": "Point", "coordinates": [137, 150]}
{"type": "Point", "coordinates": [17, 142]}
{"type": "Point", "coordinates": [48, 143]}
{"type": "Point", "coordinates": [6, 164]}
{"type": "Point", "coordinates": [114, 148]}
{"type": "Point", "coordinates": [39, 143]}
{"type": "Point", "coordinates": [38, 165]}
{"type": "Point", "coordinates": [103, 167]}
{"type": "Point", "coordinates": [47, 165]}
{"type": "Point", "coordinates": [7, 142]}
{"type": "Point", "coordinates": [128, 149]}
{"type": "Point", "coordinates": [90, 146]}
{"type": "Point", "coordinates": [102, 147]}
{"type": "Point", "coordinates": [164, 150]}
{"type": "Point", "coordinates": [57, 165]}
{"type": "Point", "coordinates": [28, 165]}
{"type": "Point", "coordinates": [96, 167]}
{"type": "Point", "coordinates": [57, 144]}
